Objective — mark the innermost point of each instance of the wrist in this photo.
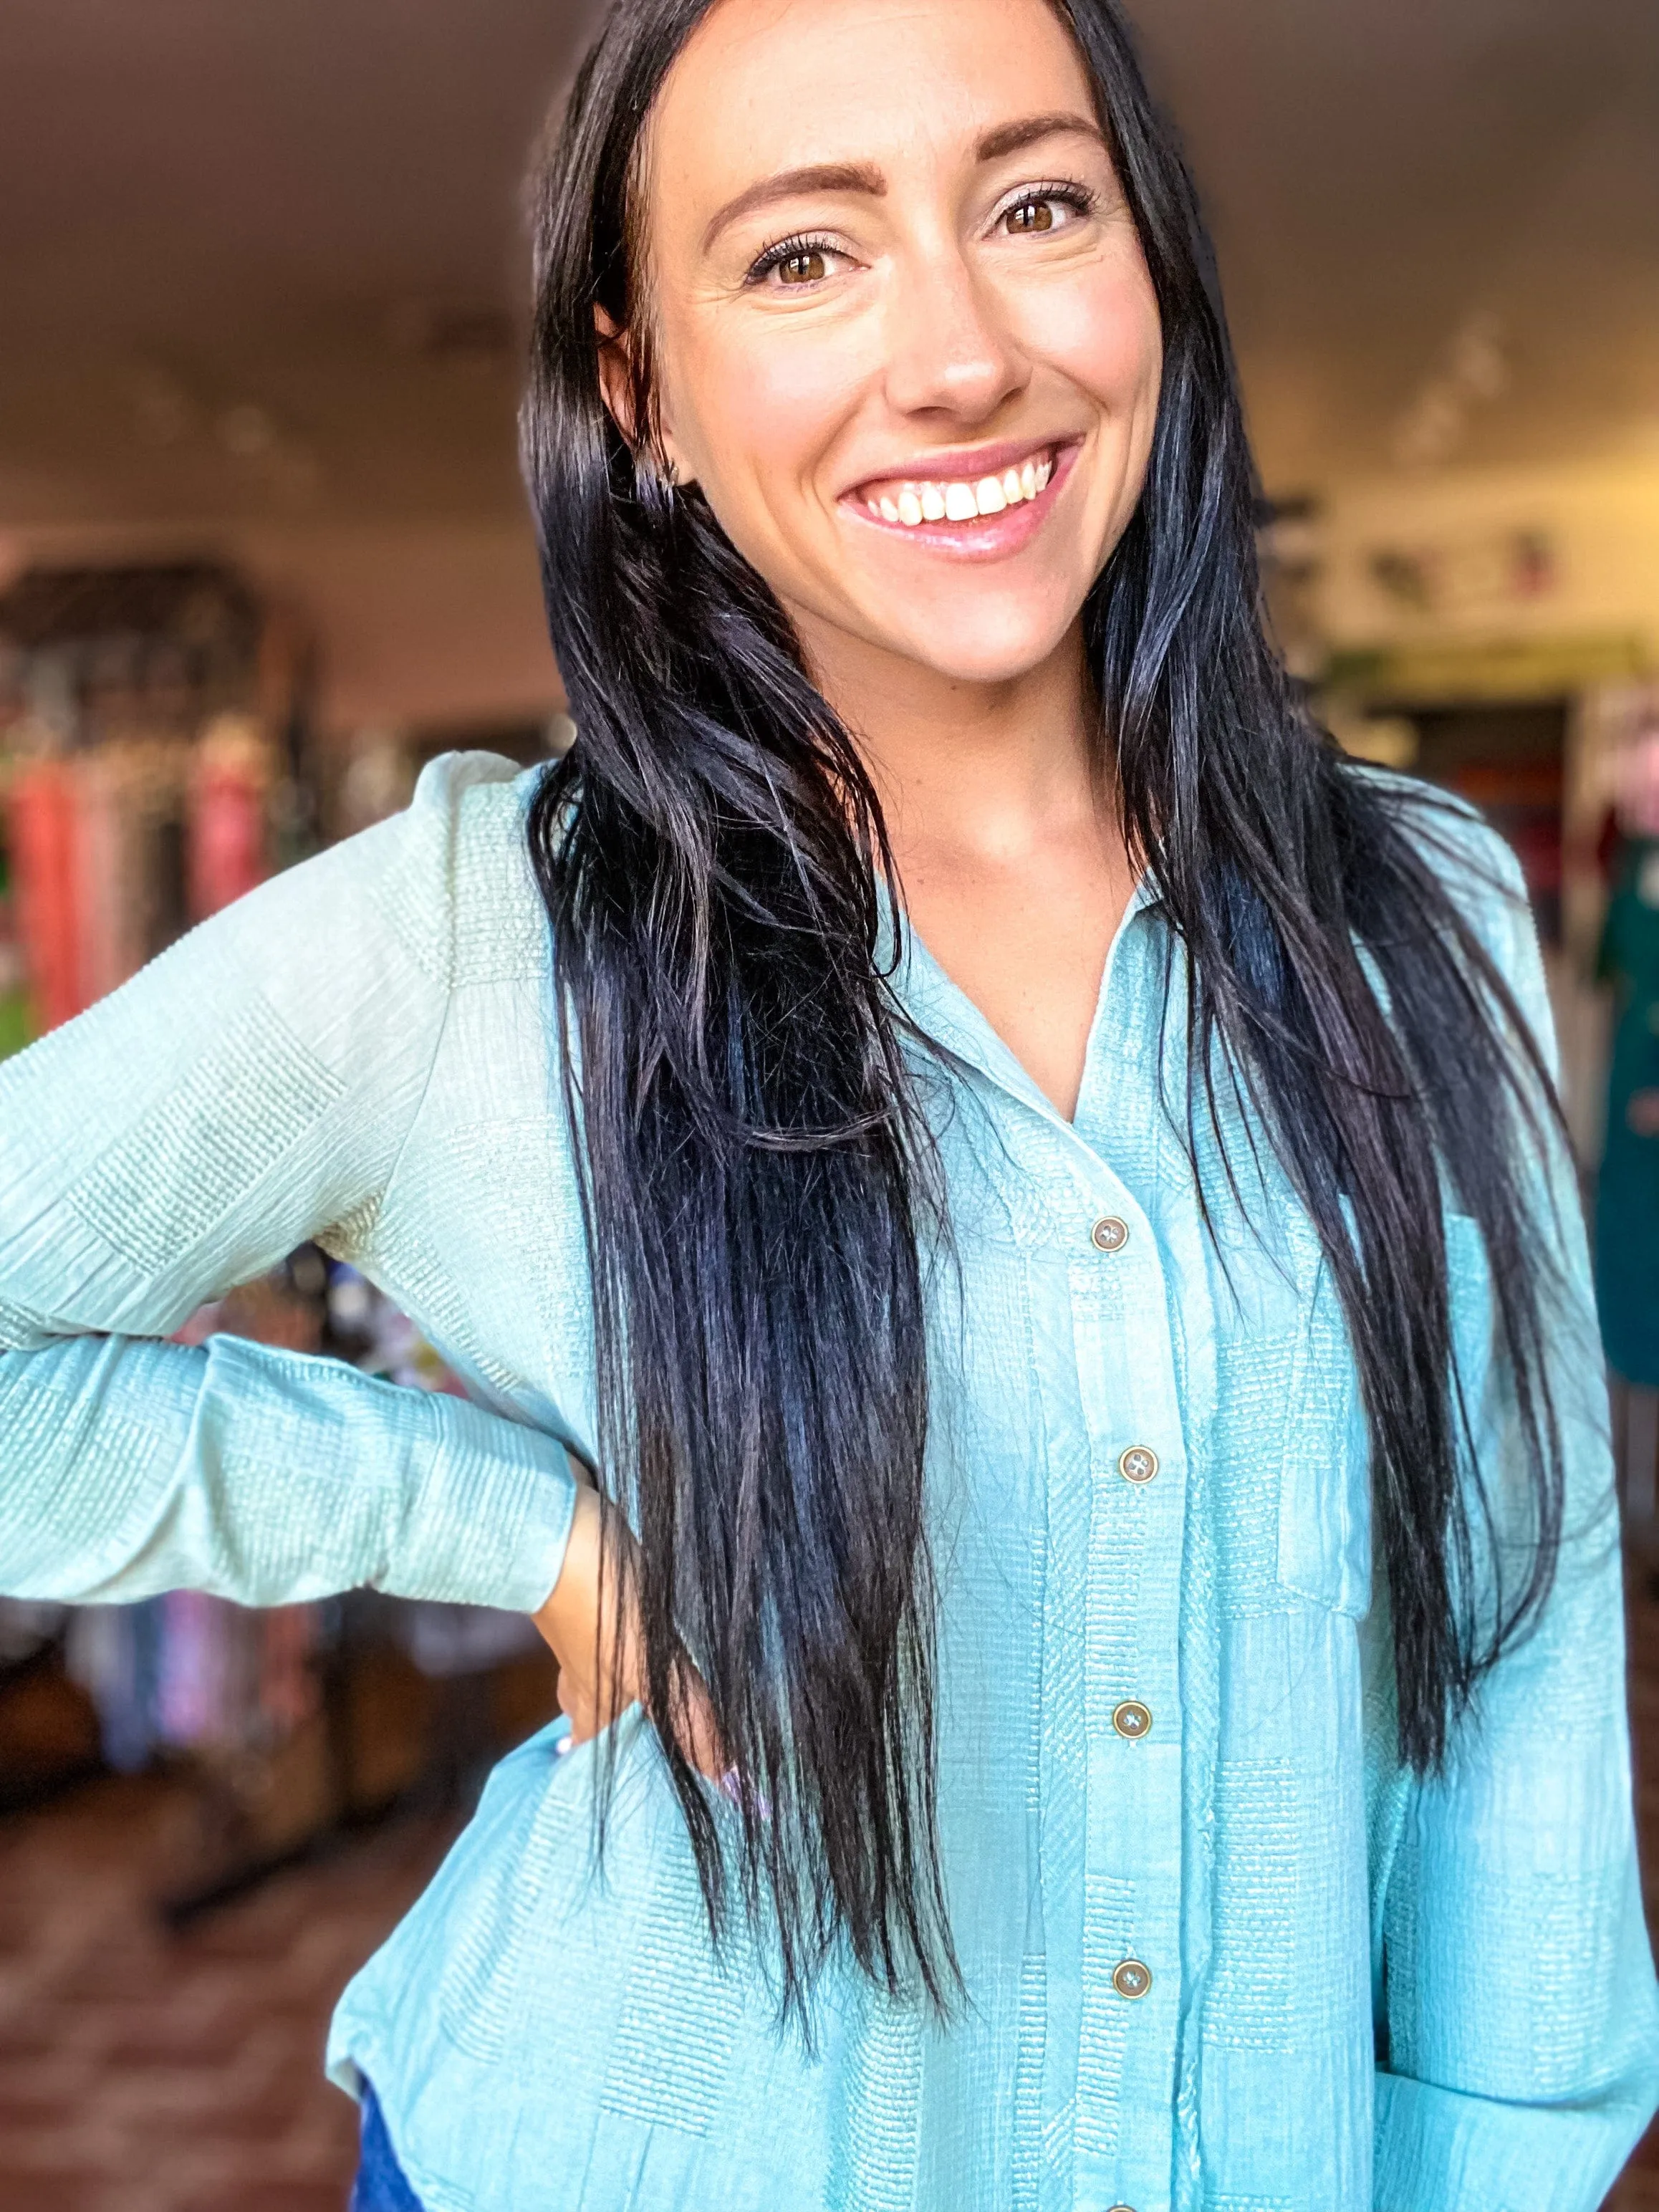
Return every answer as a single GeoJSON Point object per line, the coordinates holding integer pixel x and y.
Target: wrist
{"type": "Point", "coordinates": [570, 1603]}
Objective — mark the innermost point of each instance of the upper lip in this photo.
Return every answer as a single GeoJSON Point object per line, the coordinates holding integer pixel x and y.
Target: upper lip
{"type": "Point", "coordinates": [964, 464]}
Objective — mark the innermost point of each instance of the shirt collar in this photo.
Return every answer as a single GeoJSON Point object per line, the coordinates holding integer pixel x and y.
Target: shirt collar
{"type": "Point", "coordinates": [942, 1010]}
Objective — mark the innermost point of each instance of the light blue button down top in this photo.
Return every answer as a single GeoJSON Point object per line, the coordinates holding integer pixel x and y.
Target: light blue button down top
{"type": "Point", "coordinates": [1219, 1951]}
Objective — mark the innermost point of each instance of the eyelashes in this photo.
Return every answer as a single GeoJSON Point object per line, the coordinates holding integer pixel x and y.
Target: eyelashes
{"type": "Point", "coordinates": [1081, 198]}
{"type": "Point", "coordinates": [805, 245]}
{"type": "Point", "coordinates": [802, 245]}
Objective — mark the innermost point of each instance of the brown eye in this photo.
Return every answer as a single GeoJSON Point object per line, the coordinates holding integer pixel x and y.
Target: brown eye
{"type": "Point", "coordinates": [1032, 214]}
{"type": "Point", "coordinates": [806, 267]}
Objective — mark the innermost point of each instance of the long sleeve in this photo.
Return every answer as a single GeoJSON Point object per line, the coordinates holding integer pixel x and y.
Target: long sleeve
{"type": "Point", "coordinates": [247, 1091]}
{"type": "Point", "coordinates": [1522, 2017]}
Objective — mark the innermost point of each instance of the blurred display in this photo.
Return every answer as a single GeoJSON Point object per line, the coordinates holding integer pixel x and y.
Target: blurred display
{"type": "Point", "coordinates": [156, 763]}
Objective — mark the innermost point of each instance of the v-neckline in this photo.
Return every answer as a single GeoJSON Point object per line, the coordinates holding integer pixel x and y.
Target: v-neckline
{"type": "Point", "coordinates": [943, 1011]}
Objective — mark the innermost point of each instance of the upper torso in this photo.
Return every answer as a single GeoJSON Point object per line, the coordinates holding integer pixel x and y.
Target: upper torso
{"type": "Point", "coordinates": [1151, 1528]}
{"type": "Point", "coordinates": [1177, 1844]}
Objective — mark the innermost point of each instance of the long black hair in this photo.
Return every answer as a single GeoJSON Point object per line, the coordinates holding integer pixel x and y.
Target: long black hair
{"type": "Point", "coordinates": [758, 1182]}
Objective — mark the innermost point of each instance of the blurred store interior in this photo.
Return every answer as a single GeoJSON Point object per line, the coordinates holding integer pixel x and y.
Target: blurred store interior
{"type": "Point", "coordinates": [262, 551]}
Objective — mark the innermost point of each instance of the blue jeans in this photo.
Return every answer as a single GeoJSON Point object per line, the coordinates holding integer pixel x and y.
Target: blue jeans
{"type": "Point", "coordinates": [380, 2186]}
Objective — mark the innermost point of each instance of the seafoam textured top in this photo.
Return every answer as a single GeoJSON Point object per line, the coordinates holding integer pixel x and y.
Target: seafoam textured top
{"type": "Point", "coordinates": [1219, 1950]}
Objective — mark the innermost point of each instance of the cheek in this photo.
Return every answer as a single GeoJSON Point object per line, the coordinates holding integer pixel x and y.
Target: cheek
{"type": "Point", "coordinates": [1104, 337]}
{"type": "Point", "coordinates": [757, 407]}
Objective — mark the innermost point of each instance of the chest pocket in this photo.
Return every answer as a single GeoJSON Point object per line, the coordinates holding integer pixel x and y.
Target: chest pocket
{"type": "Point", "coordinates": [1324, 1485]}
{"type": "Point", "coordinates": [1324, 1475]}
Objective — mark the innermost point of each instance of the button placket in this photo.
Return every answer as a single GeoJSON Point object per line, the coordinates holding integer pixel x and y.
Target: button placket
{"type": "Point", "coordinates": [1127, 1377]}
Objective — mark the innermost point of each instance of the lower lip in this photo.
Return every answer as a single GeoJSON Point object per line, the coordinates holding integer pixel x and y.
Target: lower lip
{"type": "Point", "coordinates": [988, 536]}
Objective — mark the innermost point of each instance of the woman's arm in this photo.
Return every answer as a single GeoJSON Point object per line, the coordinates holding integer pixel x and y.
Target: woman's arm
{"type": "Point", "coordinates": [1521, 2020]}
{"type": "Point", "coordinates": [1522, 2032]}
{"type": "Point", "coordinates": [249, 1088]}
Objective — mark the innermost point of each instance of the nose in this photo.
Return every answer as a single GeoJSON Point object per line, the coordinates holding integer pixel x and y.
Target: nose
{"type": "Point", "coordinates": [949, 351]}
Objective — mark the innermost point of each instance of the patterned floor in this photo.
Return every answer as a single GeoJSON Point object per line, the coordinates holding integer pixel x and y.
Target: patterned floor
{"type": "Point", "coordinates": [143, 2072]}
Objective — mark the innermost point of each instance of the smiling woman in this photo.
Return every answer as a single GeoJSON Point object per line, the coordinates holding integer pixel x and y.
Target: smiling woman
{"type": "Point", "coordinates": [1028, 1185]}
{"type": "Point", "coordinates": [865, 324]}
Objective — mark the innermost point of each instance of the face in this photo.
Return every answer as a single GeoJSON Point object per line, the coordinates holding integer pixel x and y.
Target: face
{"type": "Point", "coordinates": [903, 334]}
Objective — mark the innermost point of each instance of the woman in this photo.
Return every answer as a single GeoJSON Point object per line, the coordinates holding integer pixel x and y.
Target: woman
{"type": "Point", "coordinates": [1023, 1175]}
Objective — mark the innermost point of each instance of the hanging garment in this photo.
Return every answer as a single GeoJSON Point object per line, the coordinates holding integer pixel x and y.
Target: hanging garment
{"type": "Point", "coordinates": [1627, 1191]}
{"type": "Point", "coordinates": [229, 789]}
{"type": "Point", "coordinates": [42, 811]}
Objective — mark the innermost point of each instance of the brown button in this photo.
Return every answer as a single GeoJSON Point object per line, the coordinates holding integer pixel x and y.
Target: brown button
{"type": "Point", "coordinates": [1138, 1464]}
{"type": "Point", "coordinates": [1109, 1234]}
{"type": "Point", "coordinates": [1132, 1718]}
{"type": "Point", "coordinates": [1130, 1978]}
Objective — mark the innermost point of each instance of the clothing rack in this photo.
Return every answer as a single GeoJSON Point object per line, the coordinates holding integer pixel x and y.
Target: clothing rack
{"type": "Point", "coordinates": [155, 766]}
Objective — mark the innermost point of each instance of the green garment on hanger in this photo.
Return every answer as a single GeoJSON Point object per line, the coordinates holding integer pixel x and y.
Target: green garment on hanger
{"type": "Point", "coordinates": [1628, 1199]}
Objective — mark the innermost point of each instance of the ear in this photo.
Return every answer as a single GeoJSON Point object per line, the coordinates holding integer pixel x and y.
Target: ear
{"type": "Point", "coordinates": [616, 373]}
{"type": "Point", "coordinates": [616, 387]}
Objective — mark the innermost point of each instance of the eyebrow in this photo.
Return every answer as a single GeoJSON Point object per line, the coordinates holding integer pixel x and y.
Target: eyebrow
{"type": "Point", "coordinates": [789, 184]}
{"type": "Point", "coordinates": [862, 177]}
{"type": "Point", "coordinates": [1015, 137]}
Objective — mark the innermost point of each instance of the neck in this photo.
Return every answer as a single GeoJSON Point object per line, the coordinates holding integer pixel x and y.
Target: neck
{"type": "Point", "coordinates": [1010, 859]}
{"type": "Point", "coordinates": [984, 767]}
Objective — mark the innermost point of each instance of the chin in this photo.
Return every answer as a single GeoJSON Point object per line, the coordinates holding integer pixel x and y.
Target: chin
{"type": "Point", "coordinates": [986, 644]}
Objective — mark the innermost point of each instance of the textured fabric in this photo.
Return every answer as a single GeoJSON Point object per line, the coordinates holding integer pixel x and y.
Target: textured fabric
{"type": "Point", "coordinates": [380, 2186]}
{"type": "Point", "coordinates": [1219, 1953]}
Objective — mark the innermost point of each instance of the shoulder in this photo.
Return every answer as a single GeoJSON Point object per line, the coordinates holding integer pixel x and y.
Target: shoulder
{"type": "Point", "coordinates": [452, 873]}
{"type": "Point", "coordinates": [1475, 864]}
{"type": "Point", "coordinates": [1480, 873]}
{"type": "Point", "coordinates": [1477, 868]}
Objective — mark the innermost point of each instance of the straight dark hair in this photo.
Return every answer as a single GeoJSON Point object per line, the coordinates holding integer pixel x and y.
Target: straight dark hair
{"type": "Point", "coordinates": [757, 1175]}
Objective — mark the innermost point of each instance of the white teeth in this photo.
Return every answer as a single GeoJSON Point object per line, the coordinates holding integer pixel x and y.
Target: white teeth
{"type": "Point", "coordinates": [957, 502]}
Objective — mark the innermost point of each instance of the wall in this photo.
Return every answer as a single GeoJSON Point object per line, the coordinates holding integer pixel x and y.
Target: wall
{"type": "Point", "coordinates": [1595, 569]}
{"type": "Point", "coordinates": [1535, 581]}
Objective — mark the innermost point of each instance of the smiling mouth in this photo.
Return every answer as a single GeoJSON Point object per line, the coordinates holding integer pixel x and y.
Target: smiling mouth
{"type": "Point", "coordinates": [914, 501]}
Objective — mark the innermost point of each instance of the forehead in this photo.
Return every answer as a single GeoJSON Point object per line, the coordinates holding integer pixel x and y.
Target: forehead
{"type": "Point", "coordinates": [764, 86]}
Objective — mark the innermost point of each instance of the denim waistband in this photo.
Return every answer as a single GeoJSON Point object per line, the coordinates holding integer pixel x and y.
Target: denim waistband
{"type": "Point", "coordinates": [380, 2186]}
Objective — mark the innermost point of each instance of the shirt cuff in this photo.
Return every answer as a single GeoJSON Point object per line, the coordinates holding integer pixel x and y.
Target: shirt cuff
{"type": "Point", "coordinates": [1439, 2151]}
{"type": "Point", "coordinates": [490, 1522]}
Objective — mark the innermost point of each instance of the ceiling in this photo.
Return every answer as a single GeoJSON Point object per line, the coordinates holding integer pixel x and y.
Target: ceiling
{"type": "Point", "coordinates": [261, 258]}
{"type": "Point", "coordinates": [1395, 184]}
